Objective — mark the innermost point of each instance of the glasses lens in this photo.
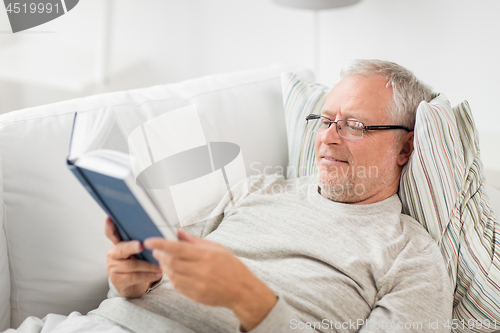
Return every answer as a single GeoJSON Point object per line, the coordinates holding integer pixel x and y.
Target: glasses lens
{"type": "Point", "coordinates": [350, 129]}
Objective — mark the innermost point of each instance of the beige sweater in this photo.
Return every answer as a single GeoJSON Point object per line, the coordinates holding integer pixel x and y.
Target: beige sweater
{"type": "Point", "coordinates": [335, 267]}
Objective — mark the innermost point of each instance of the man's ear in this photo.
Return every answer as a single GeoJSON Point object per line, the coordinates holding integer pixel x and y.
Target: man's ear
{"type": "Point", "coordinates": [407, 149]}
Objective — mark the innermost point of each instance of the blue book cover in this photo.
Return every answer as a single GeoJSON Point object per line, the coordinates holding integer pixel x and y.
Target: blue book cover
{"type": "Point", "coordinates": [108, 178]}
{"type": "Point", "coordinates": [76, 171]}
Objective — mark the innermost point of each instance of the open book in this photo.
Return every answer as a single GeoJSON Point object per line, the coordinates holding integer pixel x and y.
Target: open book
{"type": "Point", "coordinates": [163, 160]}
{"type": "Point", "coordinates": [107, 176]}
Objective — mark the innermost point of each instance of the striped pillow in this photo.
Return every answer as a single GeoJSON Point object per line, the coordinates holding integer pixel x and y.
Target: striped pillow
{"type": "Point", "coordinates": [442, 187]}
{"type": "Point", "coordinates": [301, 97]}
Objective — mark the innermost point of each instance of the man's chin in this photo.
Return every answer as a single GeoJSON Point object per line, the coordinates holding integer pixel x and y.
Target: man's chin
{"type": "Point", "coordinates": [341, 191]}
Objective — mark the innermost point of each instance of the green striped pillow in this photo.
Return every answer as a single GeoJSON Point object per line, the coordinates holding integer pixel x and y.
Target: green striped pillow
{"type": "Point", "coordinates": [442, 187]}
{"type": "Point", "coordinates": [301, 97]}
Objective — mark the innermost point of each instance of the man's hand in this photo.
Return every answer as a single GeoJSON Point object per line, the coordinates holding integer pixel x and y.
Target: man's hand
{"type": "Point", "coordinates": [130, 276]}
{"type": "Point", "coordinates": [210, 274]}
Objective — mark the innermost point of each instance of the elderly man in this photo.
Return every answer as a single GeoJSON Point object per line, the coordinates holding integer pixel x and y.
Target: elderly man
{"type": "Point", "coordinates": [334, 256]}
{"type": "Point", "coordinates": [328, 253]}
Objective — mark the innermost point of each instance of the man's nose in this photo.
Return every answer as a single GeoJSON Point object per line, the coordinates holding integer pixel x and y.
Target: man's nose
{"type": "Point", "coordinates": [330, 135]}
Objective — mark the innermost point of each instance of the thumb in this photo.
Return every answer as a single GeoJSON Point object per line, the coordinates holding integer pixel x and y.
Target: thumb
{"type": "Point", "coordinates": [184, 236]}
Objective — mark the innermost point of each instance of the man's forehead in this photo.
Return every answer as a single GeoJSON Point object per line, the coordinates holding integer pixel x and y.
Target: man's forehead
{"type": "Point", "coordinates": [359, 97]}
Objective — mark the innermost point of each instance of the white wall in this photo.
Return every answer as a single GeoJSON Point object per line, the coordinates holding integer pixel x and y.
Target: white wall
{"type": "Point", "coordinates": [453, 45]}
{"type": "Point", "coordinates": [166, 41]}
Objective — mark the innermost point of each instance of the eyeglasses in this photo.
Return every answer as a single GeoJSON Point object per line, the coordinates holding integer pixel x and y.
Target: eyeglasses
{"type": "Point", "coordinates": [348, 129]}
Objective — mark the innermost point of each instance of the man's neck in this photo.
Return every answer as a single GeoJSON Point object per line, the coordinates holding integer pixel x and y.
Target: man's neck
{"type": "Point", "coordinates": [388, 192]}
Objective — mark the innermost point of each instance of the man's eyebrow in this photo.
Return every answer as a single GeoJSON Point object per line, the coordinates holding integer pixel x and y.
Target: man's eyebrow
{"type": "Point", "coordinates": [345, 115]}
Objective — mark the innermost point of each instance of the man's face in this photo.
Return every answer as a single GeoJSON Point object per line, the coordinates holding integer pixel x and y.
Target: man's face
{"type": "Point", "coordinates": [359, 170]}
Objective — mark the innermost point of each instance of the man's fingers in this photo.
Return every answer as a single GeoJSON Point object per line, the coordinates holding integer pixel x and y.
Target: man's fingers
{"type": "Point", "coordinates": [188, 237]}
{"type": "Point", "coordinates": [184, 250]}
{"type": "Point", "coordinates": [124, 250]}
{"type": "Point", "coordinates": [111, 231]}
{"type": "Point", "coordinates": [134, 265]}
{"type": "Point", "coordinates": [136, 278]}
{"type": "Point", "coordinates": [170, 263]}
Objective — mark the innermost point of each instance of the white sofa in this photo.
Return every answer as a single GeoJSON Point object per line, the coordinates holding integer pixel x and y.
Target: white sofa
{"type": "Point", "coordinates": [52, 246]}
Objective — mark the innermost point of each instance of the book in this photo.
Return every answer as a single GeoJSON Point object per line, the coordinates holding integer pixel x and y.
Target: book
{"type": "Point", "coordinates": [107, 175]}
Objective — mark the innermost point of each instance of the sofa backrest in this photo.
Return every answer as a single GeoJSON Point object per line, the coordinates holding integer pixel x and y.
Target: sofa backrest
{"type": "Point", "coordinates": [54, 237]}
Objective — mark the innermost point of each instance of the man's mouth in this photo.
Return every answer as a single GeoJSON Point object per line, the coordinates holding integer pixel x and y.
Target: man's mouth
{"type": "Point", "coordinates": [334, 159]}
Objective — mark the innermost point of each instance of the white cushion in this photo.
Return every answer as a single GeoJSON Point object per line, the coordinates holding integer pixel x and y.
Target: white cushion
{"type": "Point", "coordinates": [55, 230]}
{"type": "Point", "coordinates": [4, 268]}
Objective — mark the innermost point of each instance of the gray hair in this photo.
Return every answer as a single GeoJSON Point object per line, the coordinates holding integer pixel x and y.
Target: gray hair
{"type": "Point", "coordinates": [407, 90]}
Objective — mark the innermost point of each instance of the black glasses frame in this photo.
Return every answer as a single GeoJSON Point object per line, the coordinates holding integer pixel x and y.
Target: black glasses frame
{"type": "Point", "coordinates": [365, 128]}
